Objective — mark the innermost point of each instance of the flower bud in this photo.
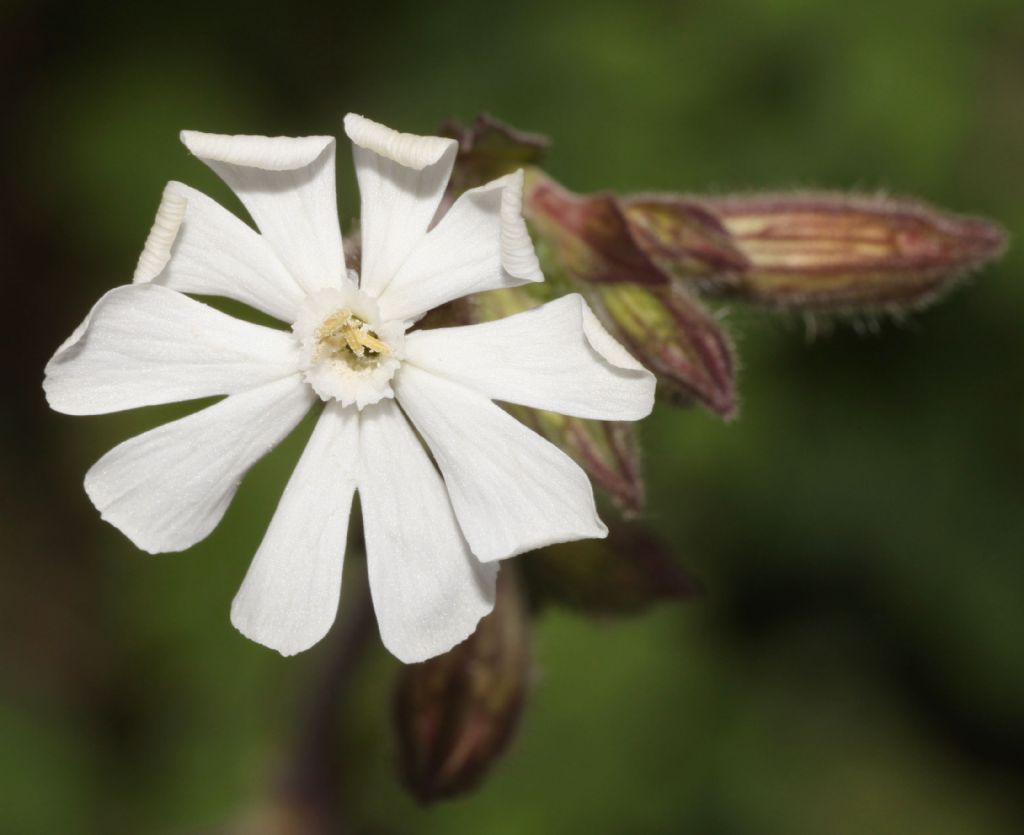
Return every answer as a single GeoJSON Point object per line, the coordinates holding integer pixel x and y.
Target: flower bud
{"type": "Point", "coordinates": [456, 713]}
{"type": "Point", "coordinates": [684, 240]}
{"type": "Point", "coordinates": [587, 236]}
{"type": "Point", "coordinates": [671, 333]}
{"type": "Point", "coordinates": [836, 253]}
{"type": "Point", "coordinates": [627, 572]}
{"type": "Point", "coordinates": [591, 244]}
{"type": "Point", "coordinates": [488, 149]}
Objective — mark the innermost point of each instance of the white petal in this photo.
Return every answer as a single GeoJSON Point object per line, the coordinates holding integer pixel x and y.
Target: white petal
{"type": "Point", "coordinates": [289, 598]}
{"type": "Point", "coordinates": [145, 344]}
{"type": "Point", "coordinates": [553, 357]}
{"type": "Point", "coordinates": [428, 590]}
{"type": "Point", "coordinates": [512, 490]}
{"type": "Point", "coordinates": [287, 184]}
{"type": "Point", "coordinates": [198, 246]}
{"type": "Point", "coordinates": [480, 244]}
{"type": "Point", "coordinates": [401, 179]}
{"type": "Point", "coordinates": [168, 488]}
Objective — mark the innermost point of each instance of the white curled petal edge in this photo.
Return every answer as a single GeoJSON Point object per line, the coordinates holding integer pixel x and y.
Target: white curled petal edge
{"type": "Point", "coordinates": [289, 598]}
{"type": "Point", "coordinates": [556, 357]}
{"type": "Point", "coordinates": [428, 590]}
{"type": "Point", "coordinates": [198, 246]}
{"type": "Point", "coordinates": [512, 490]}
{"type": "Point", "coordinates": [145, 344]}
{"type": "Point", "coordinates": [480, 244]}
{"type": "Point", "coordinates": [168, 488]}
{"type": "Point", "coordinates": [401, 177]}
{"type": "Point", "coordinates": [287, 185]}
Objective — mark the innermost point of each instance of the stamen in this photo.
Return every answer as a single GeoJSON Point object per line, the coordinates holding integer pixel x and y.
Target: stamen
{"type": "Point", "coordinates": [350, 339]}
{"type": "Point", "coordinates": [344, 330]}
{"type": "Point", "coordinates": [367, 338]}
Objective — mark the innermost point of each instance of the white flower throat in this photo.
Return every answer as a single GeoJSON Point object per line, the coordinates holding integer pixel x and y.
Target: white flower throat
{"type": "Point", "coordinates": [348, 353]}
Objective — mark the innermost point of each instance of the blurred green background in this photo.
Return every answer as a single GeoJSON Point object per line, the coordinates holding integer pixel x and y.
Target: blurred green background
{"type": "Point", "coordinates": [856, 664]}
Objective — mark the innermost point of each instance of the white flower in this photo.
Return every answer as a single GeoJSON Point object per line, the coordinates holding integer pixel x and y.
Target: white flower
{"type": "Point", "coordinates": [433, 539]}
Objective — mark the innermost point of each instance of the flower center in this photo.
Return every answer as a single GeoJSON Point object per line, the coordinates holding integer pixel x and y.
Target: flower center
{"type": "Point", "coordinates": [345, 336]}
{"type": "Point", "coordinates": [348, 353]}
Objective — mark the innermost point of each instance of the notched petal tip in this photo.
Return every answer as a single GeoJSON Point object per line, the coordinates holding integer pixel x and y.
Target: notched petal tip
{"type": "Point", "coordinates": [249, 628]}
{"type": "Point", "coordinates": [594, 529]}
{"type": "Point", "coordinates": [407, 149]}
{"type": "Point", "coordinates": [135, 534]}
{"type": "Point", "coordinates": [457, 626]}
{"type": "Point", "coordinates": [271, 153]}
{"type": "Point", "coordinates": [399, 646]}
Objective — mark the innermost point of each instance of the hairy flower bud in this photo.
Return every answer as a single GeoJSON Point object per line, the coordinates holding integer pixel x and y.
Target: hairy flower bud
{"type": "Point", "coordinates": [684, 240]}
{"type": "Point", "coordinates": [590, 243]}
{"type": "Point", "coordinates": [671, 333]}
{"type": "Point", "coordinates": [627, 572]}
{"type": "Point", "coordinates": [457, 712]}
{"type": "Point", "coordinates": [588, 235]}
{"type": "Point", "coordinates": [836, 253]}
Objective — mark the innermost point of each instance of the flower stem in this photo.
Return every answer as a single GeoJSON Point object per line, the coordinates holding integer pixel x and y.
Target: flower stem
{"type": "Point", "coordinates": [310, 785]}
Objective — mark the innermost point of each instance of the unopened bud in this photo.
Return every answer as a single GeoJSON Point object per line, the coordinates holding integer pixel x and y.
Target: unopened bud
{"type": "Point", "coordinates": [671, 333]}
{"type": "Point", "coordinates": [456, 713]}
{"type": "Point", "coordinates": [836, 253]}
{"type": "Point", "coordinates": [627, 572]}
{"type": "Point", "coordinates": [590, 244]}
{"type": "Point", "coordinates": [587, 237]}
{"type": "Point", "coordinates": [488, 149]}
{"type": "Point", "coordinates": [684, 240]}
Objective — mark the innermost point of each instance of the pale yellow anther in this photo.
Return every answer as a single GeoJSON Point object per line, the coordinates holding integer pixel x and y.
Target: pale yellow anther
{"type": "Point", "coordinates": [344, 330]}
{"type": "Point", "coordinates": [352, 340]}
{"type": "Point", "coordinates": [367, 338]}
